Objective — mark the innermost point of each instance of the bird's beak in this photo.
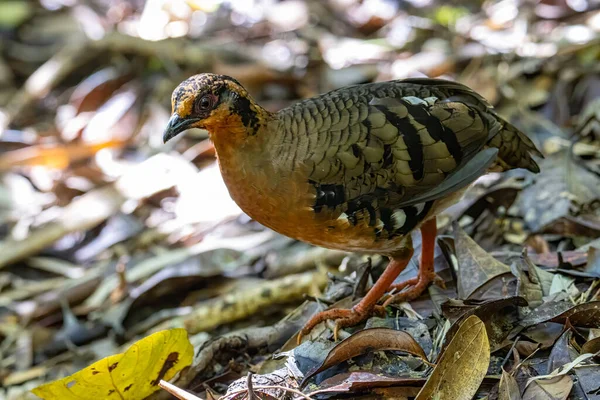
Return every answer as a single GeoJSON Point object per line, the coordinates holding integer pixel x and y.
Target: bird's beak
{"type": "Point", "coordinates": [176, 125]}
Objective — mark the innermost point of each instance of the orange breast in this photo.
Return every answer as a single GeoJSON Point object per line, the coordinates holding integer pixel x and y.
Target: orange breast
{"type": "Point", "coordinates": [283, 202]}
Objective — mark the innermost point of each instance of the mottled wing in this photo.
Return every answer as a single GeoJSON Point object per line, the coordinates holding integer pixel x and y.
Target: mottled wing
{"type": "Point", "coordinates": [382, 153]}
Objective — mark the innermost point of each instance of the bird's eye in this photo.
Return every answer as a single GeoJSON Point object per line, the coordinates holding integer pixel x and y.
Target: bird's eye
{"type": "Point", "coordinates": [205, 103]}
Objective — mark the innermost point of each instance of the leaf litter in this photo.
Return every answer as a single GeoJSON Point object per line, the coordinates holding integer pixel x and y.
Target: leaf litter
{"type": "Point", "coordinates": [109, 236]}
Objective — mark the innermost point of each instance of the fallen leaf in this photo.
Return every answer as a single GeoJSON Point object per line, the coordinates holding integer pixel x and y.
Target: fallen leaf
{"type": "Point", "coordinates": [546, 312]}
{"type": "Point", "coordinates": [587, 381]}
{"type": "Point", "coordinates": [586, 315]}
{"type": "Point", "coordinates": [591, 346]}
{"type": "Point", "coordinates": [462, 366]}
{"type": "Point", "coordinates": [508, 387]}
{"type": "Point", "coordinates": [368, 340]}
{"type": "Point", "coordinates": [563, 370]}
{"type": "Point", "coordinates": [415, 328]}
{"type": "Point", "coordinates": [528, 284]}
{"type": "Point", "coordinates": [544, 277]}
{"type": "Point", "coordinates": [555, 260]}
{"type": "Point", "coordinates": [563, 353]}
{"type": "Point", "coordinates": [132, 375]}
{"type": "Point", "coordinates": [499, 317]}
{"type": "Point", "coordinates": [552, 389]}
{"type": "Point", "coordinates": [545, 334]}
{"type": "Point", "coordinates": [362, 380]}
{"type": "Point", "coordinates": [562, 283]}
{"type": "Point", "coordinates": [475, 265]}
{"type": "Point", "coordinates": [561, 175]}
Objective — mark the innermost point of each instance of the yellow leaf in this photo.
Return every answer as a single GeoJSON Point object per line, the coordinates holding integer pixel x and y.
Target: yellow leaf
{"type": "Point", "coordinates": [462, 366]}
{"type": "Point", "coordinates": [132, 375]}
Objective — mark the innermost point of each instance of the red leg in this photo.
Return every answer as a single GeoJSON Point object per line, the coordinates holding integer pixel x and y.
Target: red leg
{"type": "Point", "coordinates": [426, 270]}
{"type": "Point", "coordinates": [367, 306]}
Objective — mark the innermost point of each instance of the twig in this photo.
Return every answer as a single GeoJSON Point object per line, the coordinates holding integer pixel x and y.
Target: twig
{"type": "Point", "coordinates": [30, 288]}
{"type": "Point", "coordinates": [272, 387]}
{"type": "Point", "coordinates": [251, 394]}
{"type": "Point", "coordinates": [56, 266]}
{"type": "Point", "coordinates": [177, 392]}
{"type": "Point", "coordinates": [240, 304]}
{"type": "Point", "coordinates": [281, 263]}
{"type": "Point", "coordinates": [509, 352]}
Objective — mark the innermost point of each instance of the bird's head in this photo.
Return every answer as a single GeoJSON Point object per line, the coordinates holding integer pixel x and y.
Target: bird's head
{"type": "Point", "coordinates": [217, 103]}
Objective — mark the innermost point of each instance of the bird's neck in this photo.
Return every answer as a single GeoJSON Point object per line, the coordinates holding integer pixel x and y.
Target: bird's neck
{"type": "Point", "coordinates": [239, 134]}
{"type": "Point", "coordinates": [242, 143]}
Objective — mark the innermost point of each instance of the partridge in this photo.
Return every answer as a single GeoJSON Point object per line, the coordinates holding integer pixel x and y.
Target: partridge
{"type": "Point", "coordinates": [356, 169]}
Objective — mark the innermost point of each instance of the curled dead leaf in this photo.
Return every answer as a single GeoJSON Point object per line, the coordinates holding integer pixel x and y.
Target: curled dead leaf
{"type": "Point", "coordinates": [368, 340]}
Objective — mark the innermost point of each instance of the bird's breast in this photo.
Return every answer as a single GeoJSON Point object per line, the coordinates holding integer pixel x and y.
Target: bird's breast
{"type": "Point", "coordinates": [284, 201]}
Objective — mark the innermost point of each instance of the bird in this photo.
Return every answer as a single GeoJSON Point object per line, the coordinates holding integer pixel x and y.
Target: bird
{"type": "Point", "coordinates": [358, 168]}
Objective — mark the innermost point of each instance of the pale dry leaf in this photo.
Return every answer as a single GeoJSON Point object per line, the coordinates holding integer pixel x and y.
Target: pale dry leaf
{"type": "Point", "coordinates": [557, 388]}
{"type": "Point", "coordinates": [563, 370]}
{"type": "Point", "coordinates": [508, 388]}
{"type": "Point", "coordinates": [463, 365]}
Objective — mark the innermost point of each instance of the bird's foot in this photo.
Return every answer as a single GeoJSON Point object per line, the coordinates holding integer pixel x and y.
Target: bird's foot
{"type": "Point", "coordinates": [343, 317]}
{"type": "Point", "coordinates": [417, 287]}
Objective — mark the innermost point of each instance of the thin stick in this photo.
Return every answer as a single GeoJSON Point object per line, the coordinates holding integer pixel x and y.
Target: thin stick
{"type": "Point", "coordinates": [287, 389]}
{"type": "Point", "coordinates": [177, 392]}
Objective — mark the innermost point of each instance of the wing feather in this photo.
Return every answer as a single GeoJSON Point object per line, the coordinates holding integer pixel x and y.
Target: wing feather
{"type": "Point", "coordinates": [386, 151]}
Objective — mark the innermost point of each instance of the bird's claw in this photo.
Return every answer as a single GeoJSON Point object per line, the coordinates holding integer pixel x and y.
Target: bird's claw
{"type": "Point", "coordinates": [343, 317]}
{"type": "Point", "coordinates": [417, 287]}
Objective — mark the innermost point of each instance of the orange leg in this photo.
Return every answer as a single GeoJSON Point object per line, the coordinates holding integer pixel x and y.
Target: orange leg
{"type": "Point", "coordinates": [426, 270]}
{"type": "Point", "coordinates": [367, 306]}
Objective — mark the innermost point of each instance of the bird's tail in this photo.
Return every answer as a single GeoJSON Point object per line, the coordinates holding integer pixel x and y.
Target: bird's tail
{"type": "Point", "coordinates": [515, 149]}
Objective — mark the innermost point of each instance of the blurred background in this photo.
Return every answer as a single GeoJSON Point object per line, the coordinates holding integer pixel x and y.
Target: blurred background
{"type": "Point", "coordinates": [108, 233]}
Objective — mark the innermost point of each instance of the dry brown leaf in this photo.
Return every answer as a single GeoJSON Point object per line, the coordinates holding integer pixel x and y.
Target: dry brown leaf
{"type": "Point", "coordinates": [462, 366]}
{"type": "Point", "coordinates": [585, 315]}
{"type": "Point", "coordinates": [475, 265]}
{"type": "Point", "coordinates": [368, 340]}
{"type": "Point", "coordinates": [508, 387]}
{"type": "Point", "coordinates": [499, 317]}
{"type": "Point", "coordinates": [549, 389]}
{"type": "Point", "coordinates": [591, 346]}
